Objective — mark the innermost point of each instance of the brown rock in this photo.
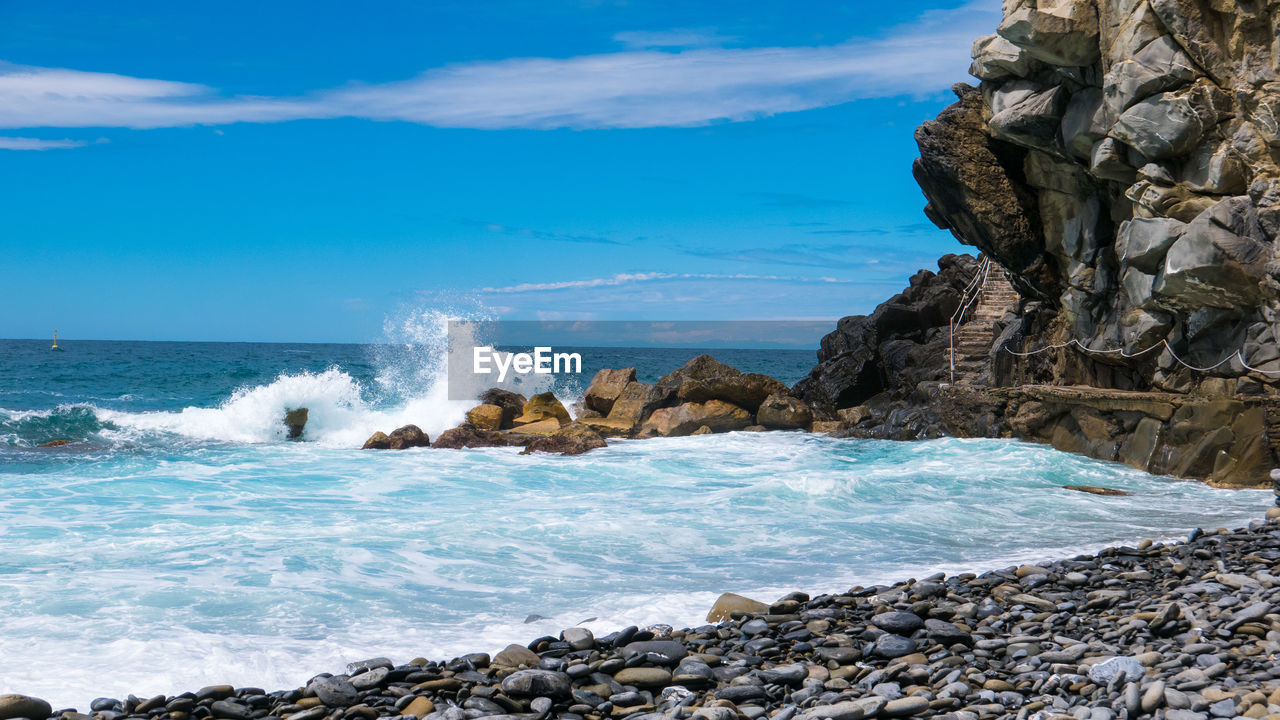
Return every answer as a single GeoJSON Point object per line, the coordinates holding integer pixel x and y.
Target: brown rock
{"type": "Point", "coordinates": [512, 404]}
{"type": "Point", "coordinates": [572, 439]}
{"type": "Point", "coordinates": [782, 410]}
{"type": "Point", "coordinates": [377, 441]}
{"type": "Point", "coordinates": [681, 420]}
{"type": "Point", "coordinates": [637, 401]}
{"type": "Point", "coordinates": [826, 426]}
{"type": "Point", "coordinates": [515, 656]}
{"type": "Point", "coordinates": [729, 603]}
{"type": "Point", "coordinates": [409, 436]}
{"type": "Point", "coordinates": [295, 421]}
{"type": "Point", "coordinates": [703, 430]}
{"type": "Point", "coordinates": [543, 406]}
{"type": "Point", "coordinates": [486, 417]}
{"type": "Point", "coordinates": [470, 436]}
{"type": "Point", "coordinates": [705, 378]}
{"type": "Point", "coordinates": [54, 443]}
{"type": "Point", "coordinates": [606, 387]}
{"type": "Point", "coordinates": [542, 427]}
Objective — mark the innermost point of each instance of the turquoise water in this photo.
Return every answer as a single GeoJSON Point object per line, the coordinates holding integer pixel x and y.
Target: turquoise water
{"type": "Point", "coordinates": [180, 540]}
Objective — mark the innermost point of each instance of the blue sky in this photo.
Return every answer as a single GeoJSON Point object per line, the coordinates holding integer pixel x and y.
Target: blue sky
{"type": "Point", "coordinates": [319, 172]}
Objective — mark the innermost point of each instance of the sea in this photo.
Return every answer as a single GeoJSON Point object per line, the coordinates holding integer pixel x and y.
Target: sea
{"type": "Point", "coordinates": [180, 539]}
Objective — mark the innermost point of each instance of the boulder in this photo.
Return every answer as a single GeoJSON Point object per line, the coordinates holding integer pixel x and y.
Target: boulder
{"type": "Point", "coordinates": [1160, 65]}
{"type": "Point", "coordinates": [512, 404]}
{"type": "Point", "coordinates": [785, 411]}
{"type": "Point", "coordinates": [486, 416]}
{"type": "Point", "coordinates": [467, 435]}
{"type": "Point", "coordinates": [377, 441]}
{"type": "Point", "coordinates": [409, 436]}
{"type": "Point", "coordinates": [1218, 261]}
{"type": "Point", "coordinates": [1027, 115]}
{"type": "Point", "coordinates": [684, 419]}
{"type": "Point", "coordinates": [23, 706]}
{"type": "Point", "coordinates": [702, 430]}
{"type": "Point", "coordinates": [995, 58]}
{"type": "Point", "coordinates": [54, 443]}
{"type": "Point", "coordinates": [547, 426]}
{"type": "Point", "coordinates": [1142, 242]}
{"type": "Point", "coordinates": [1063, 33]}
{"type": "Point", "coordinates": [632, 406]}
{"type": "Point", "coordinates": [538, 683]}
{"type": "Point", "coordinates": [543, 406]}
{"type": "Point", "coordinates": [606, 387]}
{"type": "Point", "coordinates": [729, 603]}
{"type": "Point", "coordinates": [572, 439]}
{"type": "Point", "coordinates": [1162, 126]}
{"type": "Point", "coordinates": [515, 656]}
{"type": "Point", "coordinates": [704, 378]}
{"type": "Point", "coordinates": [295, 421]}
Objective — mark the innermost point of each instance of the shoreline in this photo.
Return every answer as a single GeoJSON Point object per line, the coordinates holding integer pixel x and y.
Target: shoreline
{"type": "Point", "coordinates": [1200, 617]}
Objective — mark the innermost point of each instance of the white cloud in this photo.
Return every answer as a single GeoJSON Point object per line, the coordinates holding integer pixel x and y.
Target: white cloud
{"type": "Point", "coordinates": [25, 143]}
{"type": "Point", "coordinates": [635, 278]}
{"type": "Point", "coordinates": [673, 38]}
{"type": "Point", "coordinates": [630, 89]}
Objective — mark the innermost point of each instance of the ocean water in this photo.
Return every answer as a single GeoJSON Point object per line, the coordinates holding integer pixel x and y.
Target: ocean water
{"type": "Point", "coordinates": [180, 540]}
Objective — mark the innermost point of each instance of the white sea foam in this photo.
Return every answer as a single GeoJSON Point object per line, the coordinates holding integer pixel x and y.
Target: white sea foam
{"type": "Point", "coordinates": [262, 564]}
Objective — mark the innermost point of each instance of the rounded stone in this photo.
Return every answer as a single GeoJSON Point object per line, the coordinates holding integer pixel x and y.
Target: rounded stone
{"type": "Point", "coordinates": [898, 623]}
{"type": "Point", "coordinates": [538, 682]}
{"type": "Point", "coordinates": [643, 677]}
{"type": "Point", "coordinates": [23, 706]}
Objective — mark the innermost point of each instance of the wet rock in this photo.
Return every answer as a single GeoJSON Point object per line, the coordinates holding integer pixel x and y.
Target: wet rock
{"type": "Point", "coordinates": [23, 706]}
{"type": "Point", "coordinates": [729, 603]}
{"type": "Point", "coordinates": [295, 421]}
{"type": "Point", "coordinates": [542, 407]}
{"type": "Point", "coordinates": [783, 411]}
{"type": "Point", "coordinates": [409, 436]}
{"type": "Point", "coordinates": [486, 416]}
{"type": "Point", "coordinates": [544, 683]}
{"type": "Point", "coordinates": [684, 419]}
{"type": "Point", "coordinates": [470, 436]}
{"type": "Point", "coordinates": [606, 387]}
{"type": "Point", "coordinates": [572, 439]}
{"type": "Point", "coordinates": [377, 441]}
{"type": "Point", "coordinates": [512, 404]}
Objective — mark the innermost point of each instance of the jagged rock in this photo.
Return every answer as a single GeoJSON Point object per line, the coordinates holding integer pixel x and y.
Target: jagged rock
{"type": "Point", "coordinates": [995, 58]}
{"type": "Point", "coordinates": [1162, 126]}
{"type": "Point", "coordinates": [635, 403]}
{"type": "Point", "coordinates": [572, 439]}
{"type": "Point", "coordinates": [1065, 33]}
{"type": "Point", "coordinates": [1218, 261]}
{"type": "Point", "coordinates": [512, 404]}
{"type": "Point", "coordinates": [684, 419]}
{"type": "Point", "coordinates": [295, 421]}
{"type": "Point", "coordinates": [377, 441]}
{"type": "Point", "coordinates": [1083, 122]}
{"type": "Point", "coordinates": [470, 436]}
{"type": "Point", "coordinates": [543, 406]}
{"type": "Point", "coordinates": [783, 410]}
{"type": "Point", "coordinates": [409, 436]}
{"type": "Point", "coordinates": [486, 416]}
{"type": "Point", "coordinates": [1027, 115]}
{"type": "Point", "coordinates": [1160, 65]}
{"type": "Point", "coordinates": [1143, 242]}
{"type": "Point", "coordinates": [704, 378]}
{"type": "Point", "coordinates": [606, 387]}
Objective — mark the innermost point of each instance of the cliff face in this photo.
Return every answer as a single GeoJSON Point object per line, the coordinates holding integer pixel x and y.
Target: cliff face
{"type": "Point", "coordinates": [1120, 159]}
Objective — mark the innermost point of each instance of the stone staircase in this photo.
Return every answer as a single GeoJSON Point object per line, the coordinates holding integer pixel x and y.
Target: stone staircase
{"type": "Point", "coordinates": [972, 338]}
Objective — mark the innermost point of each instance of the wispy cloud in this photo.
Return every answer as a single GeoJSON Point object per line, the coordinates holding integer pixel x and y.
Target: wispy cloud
{"type": "Point", "coordinates": [672, 38]}
{"type": "Point", "coordinates": [26, 143]}
{"type": "Point", "coordinates": [634, 278]}
{"type": "Point", "coordinates": [631, 89]}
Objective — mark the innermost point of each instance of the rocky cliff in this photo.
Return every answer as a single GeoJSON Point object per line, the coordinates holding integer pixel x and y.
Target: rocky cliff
{"type": "Point", "coordinates": [1120, 159]}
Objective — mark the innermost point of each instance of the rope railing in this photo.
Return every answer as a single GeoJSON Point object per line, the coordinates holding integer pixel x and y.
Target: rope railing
{"type": "Point", "coordinates": [1237, 355]}
{"type": "Point", "coordinates": [968, 298]}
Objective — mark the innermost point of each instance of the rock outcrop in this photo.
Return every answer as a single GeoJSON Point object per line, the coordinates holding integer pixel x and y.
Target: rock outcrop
{"type": "Point", "coordinates": [1120, 159]}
